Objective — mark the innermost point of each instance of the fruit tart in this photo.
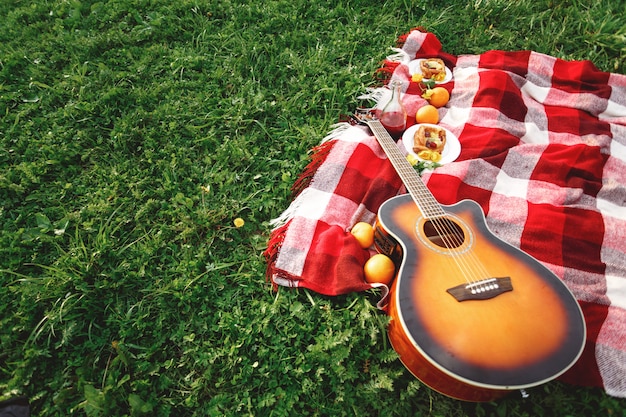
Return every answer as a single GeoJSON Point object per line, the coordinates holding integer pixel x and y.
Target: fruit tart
{"type": "Point", "coordinates": [433, 68]}
{"type": "Point", "coordinates": [431, 138]}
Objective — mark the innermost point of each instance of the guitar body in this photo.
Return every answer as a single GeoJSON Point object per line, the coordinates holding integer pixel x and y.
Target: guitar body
{"type": "Point", "coordinates": [473, 317]}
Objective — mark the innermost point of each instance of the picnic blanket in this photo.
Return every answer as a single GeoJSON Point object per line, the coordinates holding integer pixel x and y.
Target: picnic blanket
{"type": "Point", "coordinates": [543, 151]}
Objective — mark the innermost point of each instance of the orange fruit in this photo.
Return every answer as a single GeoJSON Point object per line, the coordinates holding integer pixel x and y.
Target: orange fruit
{"type": "Point", "coordinates": [427, 114]}
{"type": "Point", "coordinates": [364, 233]}
{"type": "Point", "coordinates": [439, 97]}
{"type": "Point", "coordinates": [379, 269]}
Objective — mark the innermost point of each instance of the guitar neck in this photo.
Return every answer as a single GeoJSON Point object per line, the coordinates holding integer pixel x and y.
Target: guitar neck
{"type": "Point", "coordinates": [426, 202]}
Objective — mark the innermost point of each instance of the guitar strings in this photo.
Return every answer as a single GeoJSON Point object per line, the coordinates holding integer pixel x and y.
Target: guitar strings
{"type": "Point", "coordinates": [467, 262]}
{"type": "Point", "coordinates": [470, 266]}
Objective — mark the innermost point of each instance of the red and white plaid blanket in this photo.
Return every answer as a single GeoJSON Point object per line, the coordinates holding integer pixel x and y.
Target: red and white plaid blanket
{"type": "Point", "coordinates": [543, 152]}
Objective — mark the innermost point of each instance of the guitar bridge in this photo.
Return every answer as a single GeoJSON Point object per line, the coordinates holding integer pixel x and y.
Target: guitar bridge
{"type": "Point", "coordinates": [481, 290]}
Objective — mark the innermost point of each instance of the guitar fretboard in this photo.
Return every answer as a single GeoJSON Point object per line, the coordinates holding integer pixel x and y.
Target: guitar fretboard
{"type": "Point", "coordinates": [426, 202]}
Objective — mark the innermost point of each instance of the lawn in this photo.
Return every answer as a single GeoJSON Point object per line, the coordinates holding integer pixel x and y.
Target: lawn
{"type": "Point", "coordinates": [133, 133]}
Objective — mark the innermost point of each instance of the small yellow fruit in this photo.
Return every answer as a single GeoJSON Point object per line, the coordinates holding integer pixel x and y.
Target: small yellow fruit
{"type": "Point", "coordinates": [425, 155]}
{"type": "Point", "coordinates": [416, 78]}
{"type": "Point", "coordinates": [364, 234]}
{"type": "Point", "coordinates": [379, 269]}
{"type": "Point", "coordinates": [427, 114]}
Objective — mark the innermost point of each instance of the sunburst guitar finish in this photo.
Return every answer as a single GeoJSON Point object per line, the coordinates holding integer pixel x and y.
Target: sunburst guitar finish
{"type": "Point", "coordinates": [472, 316]}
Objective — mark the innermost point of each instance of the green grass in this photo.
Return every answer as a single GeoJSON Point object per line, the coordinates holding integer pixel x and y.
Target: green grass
{"type": "Point", "coordinates": [133, 133]}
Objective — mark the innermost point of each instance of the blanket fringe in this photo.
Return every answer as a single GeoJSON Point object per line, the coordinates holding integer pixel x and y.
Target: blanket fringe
{"type": "Point", "coordinates": [273, 248]}
{"type": "Point", "coordinates": [318, 156]}
{"type": "Point", "coordinates": [384, 73]}
{"type": "Point", "coordinates": [289, 213]}
{"type": "Point", "coordinates": [398, 57]}
{"type": "Point", "coordinates": [338, 129]}
{"type": "Point", "coordinates": [373, 94]}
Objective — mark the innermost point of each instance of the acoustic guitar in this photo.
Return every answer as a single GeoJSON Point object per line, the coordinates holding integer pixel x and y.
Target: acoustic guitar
{"type": "Point", "coordinates": [472, 316]}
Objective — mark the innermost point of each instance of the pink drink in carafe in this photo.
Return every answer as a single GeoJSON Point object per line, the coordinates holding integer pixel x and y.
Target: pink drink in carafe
{"type": "Point", "coordinates": [393, 116]}
{"type": "Point", "coordinates": [394, 122]}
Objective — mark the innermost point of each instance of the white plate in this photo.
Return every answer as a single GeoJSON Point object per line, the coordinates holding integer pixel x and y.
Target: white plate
{"type": "Point", "coordinates": [414, 68]}
{"type": "Point", "coordinates": [451, 151]}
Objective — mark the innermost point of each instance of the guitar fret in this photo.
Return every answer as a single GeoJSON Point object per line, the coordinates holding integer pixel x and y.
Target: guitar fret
{"type": "Point", "coordinates": [426, 202]}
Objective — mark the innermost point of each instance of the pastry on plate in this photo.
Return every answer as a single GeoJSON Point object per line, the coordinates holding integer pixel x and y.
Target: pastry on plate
{"type": "Point", "coordinates": [433, 68]}
{"type": "Point", "coordinates": [431, 138]}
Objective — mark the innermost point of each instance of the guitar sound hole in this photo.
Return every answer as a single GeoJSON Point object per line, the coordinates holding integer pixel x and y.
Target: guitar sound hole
{"type": "Point", "coordinates": [444, 233]}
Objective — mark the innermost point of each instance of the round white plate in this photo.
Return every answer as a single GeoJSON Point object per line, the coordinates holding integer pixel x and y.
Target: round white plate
{"type": "Point", "coordinates": [451, 151]}
{"type": "Point", "coordinates": [414, 68]}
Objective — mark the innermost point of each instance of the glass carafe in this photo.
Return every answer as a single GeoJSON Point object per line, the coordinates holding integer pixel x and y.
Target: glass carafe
{"type": "Point", "coordinates": [393, 115]}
